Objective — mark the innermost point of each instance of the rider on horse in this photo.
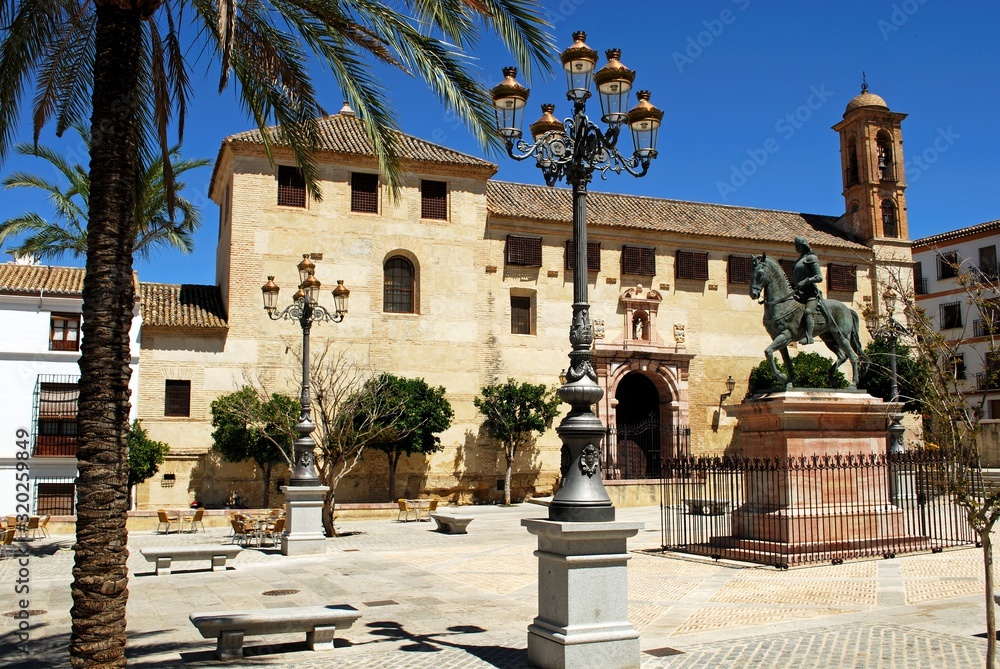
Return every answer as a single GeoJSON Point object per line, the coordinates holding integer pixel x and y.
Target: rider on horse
{"type": "Point", "coordinates": [805, 276]}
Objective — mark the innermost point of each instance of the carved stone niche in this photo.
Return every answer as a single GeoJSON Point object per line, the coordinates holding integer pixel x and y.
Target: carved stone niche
{"type": "Point", "coordinates": [640, 306]}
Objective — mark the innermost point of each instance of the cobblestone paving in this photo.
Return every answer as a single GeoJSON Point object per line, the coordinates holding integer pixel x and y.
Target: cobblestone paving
{"type": "Point", "coordinates": [444, 601]}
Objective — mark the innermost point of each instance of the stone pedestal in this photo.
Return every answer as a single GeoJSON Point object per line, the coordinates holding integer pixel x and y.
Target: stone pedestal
{"type": "Point", "coordinates": [304, 520]}
{"type": "Point", "coordinates": [808, 507]}
{"type": "Point", "coordinates": [582, 620]}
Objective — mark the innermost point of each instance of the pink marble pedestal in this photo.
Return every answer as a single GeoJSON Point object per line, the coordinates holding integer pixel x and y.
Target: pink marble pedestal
{"type": "Point", "coordinates": [803, 512]}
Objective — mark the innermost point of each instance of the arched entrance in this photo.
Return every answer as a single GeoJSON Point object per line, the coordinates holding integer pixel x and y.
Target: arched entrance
{"type": "Point", "coordinates": [639, 440]}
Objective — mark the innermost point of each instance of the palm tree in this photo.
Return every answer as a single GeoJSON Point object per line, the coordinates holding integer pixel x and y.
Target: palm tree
{"type": "Point", "coordinates": [123, 64]}
{"type": "Point", "coordinates": [156, 226]}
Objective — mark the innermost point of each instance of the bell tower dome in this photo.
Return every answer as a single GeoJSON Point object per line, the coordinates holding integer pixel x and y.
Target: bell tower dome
{"type": "Point", "coordinates": [871, 155]}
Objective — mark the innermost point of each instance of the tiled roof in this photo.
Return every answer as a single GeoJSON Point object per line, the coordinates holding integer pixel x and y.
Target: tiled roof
{"type": "Point", "coordinates": [953, 235]}
{"type": "Point", "coordinates": [41, 279]}
{"type": "Point", "coordinates": [540, 203]}
{"type": "Point", "coordinates": [181, 305]}
{"type": "Point", "coordinates": [341, 133]}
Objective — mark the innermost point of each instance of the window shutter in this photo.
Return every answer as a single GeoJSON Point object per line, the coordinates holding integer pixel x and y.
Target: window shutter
{"type": "Point", "coordinates": [524, 251]}
{"type": "Point", "coordinates": [740, 268]}
{"type": "Point", "coordinates": [692, 265]}
{"type": "Point", "coordinates": [788, 267]}
{"type": "Point", "coordinates": [638, 260]}
{"type": "Point", "coordinates": [364, 192]}
{"type": "Point", "coordinates": [177, 398]}
{"type": "Point", "coordinates": [593, 256]}
{"type": "Point", "coordinates": [433, 199]}
{"type": "Point", "coordinates": [291, 187]}
{"type": "Point", "coordinates": [843, 277]}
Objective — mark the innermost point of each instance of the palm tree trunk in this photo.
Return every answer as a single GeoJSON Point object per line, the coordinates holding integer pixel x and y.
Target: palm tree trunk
{"type": "Point", "coordinates": [100, 574]}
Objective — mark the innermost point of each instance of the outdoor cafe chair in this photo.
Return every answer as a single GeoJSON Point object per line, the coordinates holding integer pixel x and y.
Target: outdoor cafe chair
{"type": "Point", "coordinates": [7, 542]}
{"type": "Point", "coordinates": [405, 508]}
{"type": "Point", "coordinates": [239, 531]}
{"type": "Point", "coordinates": [194, 519]}
{"type": "Point", "coordinates": [32, 528]}
{"type": "Point", "coordinates": [275, 530]}
{"type": "Point", "coordinates": [14, 525]}
{"type": "Point", "coordinates": [43, 524]}
{"type": "Point", "coordinates": [165, 519]}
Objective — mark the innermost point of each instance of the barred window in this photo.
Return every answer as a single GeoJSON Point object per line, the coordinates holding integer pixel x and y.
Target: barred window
{"type": "Point", "coordinates": [291, 187]}
{"type": "Point", "coordinates": [364, 192]}
{"type": "Point", "coordinates": [524, 251]}
{"type": "Point", "coordinates": [947, 265]}
{"type": "Point", "coordinates": [919, 284]}
{"type": "Point", "coordinates": [951, 315]}
{"type": "Point", "coordinates": [740, 268]}
{"type": "Point", "coordinates": [64, 332]}
{"type": "Point", "coordinates": [638, 260]}
{"type": "Point", "coordinates": [57, 427]}
{"type": "Point", "coordinates": [176, 398]}
{"type": "Point", "coordinates": [433, 199]}
{"type": "Point", "coordinates": [843, 277]}
{"type": "Point", "coordinates": [398, 286]}
{"type": "Point", "coordinates": [520, 314]}
{"type": "Point", "coordinates": [788, 267]}
{"type": "Point", "coordinates": [55, 499]}
{"type": "Point", "coordinates": [692, 265]}
{"type": "Point", "coordinates": [593, 256]}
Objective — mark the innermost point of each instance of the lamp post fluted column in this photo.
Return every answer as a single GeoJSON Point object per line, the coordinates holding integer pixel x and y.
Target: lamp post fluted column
{"type": "Point", "coordinates": [572, 150]}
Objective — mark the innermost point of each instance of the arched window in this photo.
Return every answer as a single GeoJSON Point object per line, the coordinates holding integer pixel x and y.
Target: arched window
{"type": "Point", "coordinates": [883, 144]}
{"type": "Point", "coordinates": [890, 227]}
{"type": "Point", "coordinates": [852, 177]}
{"type": "Point", "coordinates": [398, 286]}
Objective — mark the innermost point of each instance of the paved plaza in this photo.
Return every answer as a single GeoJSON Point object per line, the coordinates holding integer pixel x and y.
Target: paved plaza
{"type": "Point", "coordinates": [455, 601]}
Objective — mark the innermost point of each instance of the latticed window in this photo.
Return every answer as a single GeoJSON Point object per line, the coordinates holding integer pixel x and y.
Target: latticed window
{"type": "Point", "coordinates": [740, 269]}
{"type": "Point", "coordinates": [56, 434]}
{"type": "Point", "coordinates": [433, 199]}
{"type": "Point", "coordinates": [692, 265]}
{"type": "Point", "coordinates": [593, 256]}
{"type": "Point", "coordinates": [951, 315]}
{"type": "Point", "coordinates": [524, 251]}
{"type": "Point", "coordinates": [398, 286]}
{"type": "Point", "coordinates": [843, 277]}
{"type": "Point", "coordinates": [890, 227]}
{"type": "Point", "coordinates": [638, 260]}
{"type": "Point", "coordinates": [364, 192]}
{"type": "Point", "coordinates": [520, 314]}
{"type": "Point", "coordinates": [176, 397]}
{"type": "Point", "coordinates": [56, 499]}
{"type": "Point", "coordinates": [291, 187]}
{"type": "Point", "coordinates": [64, 333]}
{"type": "Point", "coordinates": [788, 267]}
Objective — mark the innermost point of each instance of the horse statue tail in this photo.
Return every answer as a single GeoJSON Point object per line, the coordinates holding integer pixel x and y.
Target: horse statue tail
{"type": "Point", "coordinates": [863, 360]}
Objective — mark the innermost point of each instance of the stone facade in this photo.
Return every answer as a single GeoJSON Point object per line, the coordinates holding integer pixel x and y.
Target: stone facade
{"type": "Point", "coordinates": [491, 296]}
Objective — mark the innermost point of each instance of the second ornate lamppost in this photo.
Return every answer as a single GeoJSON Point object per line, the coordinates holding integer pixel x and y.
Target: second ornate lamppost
{"type": "Point", "coordinates": [572, 150]}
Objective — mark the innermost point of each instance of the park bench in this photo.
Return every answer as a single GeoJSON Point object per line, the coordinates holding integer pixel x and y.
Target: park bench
{"type": "Point", "coordinates": [229, 627]}
{"type": "Point", "coordinates": [706, 507]}
{"type": "Point", "coordinates": [165, 555]}
{"type": "Point", "coordinates": [451, 524]}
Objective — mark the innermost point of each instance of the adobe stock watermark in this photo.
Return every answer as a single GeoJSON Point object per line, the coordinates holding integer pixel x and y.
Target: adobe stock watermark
{"type": "Point", "coordinates": [915, 165]}
{"type": "Point", "coordinates": [786, 126]}
{"type": "Point", "coordinates": [22, 577]}
{"type": "Point", "coordinates": [900, 14]}
{"type": "Point", "coordinates": [704, 39]}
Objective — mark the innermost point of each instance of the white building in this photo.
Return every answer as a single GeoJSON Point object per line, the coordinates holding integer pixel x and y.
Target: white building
{"type": "Point", "coordinates": [40, 308]}
{"type": "Point", "coordinates": [939, 292]}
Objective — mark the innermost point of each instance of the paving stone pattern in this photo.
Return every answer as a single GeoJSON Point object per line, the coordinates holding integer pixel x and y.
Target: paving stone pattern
{"type": "Point", "coordinates": [465, 601]}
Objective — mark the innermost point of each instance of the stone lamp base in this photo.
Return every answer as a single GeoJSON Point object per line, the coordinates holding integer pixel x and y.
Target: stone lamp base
{"type": "Point", "coordinates": [304, 520]}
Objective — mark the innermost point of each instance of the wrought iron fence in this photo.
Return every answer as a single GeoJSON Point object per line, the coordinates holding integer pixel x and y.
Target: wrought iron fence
{"type": "Point", "coordinates": [783, 511]}
{"type": "Point", "coordinates": [638, 452]}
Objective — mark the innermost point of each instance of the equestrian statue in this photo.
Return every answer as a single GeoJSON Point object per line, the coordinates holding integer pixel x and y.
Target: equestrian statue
{"type": "Point", "coordinates": [800, 314]}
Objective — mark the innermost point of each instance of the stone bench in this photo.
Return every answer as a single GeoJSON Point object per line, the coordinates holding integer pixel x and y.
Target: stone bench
{"type": "Point", "coordinates": [706, 507]}
{"type": "Point", "coordinates": [451, 524]}
{"type": "Point", "coordinates": [229, 627]}
{"type": "Point", "coordinates": [167, 554]}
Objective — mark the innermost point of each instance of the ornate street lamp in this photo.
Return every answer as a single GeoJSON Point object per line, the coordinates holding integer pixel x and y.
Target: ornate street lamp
{"type": "Point", "coordinates": [306, 309]}
{"type": "Point", "coordinates": [572, 150]}
{"type": "Point", "coordinates": [887, 328]}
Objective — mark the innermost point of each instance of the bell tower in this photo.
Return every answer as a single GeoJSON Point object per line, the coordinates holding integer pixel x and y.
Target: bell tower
{"type": "Point", "coordinates": [871, 155]}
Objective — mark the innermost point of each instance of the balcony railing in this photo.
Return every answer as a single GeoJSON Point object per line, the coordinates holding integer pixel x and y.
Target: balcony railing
{"type": "Point", "coordinates": [55, 446]}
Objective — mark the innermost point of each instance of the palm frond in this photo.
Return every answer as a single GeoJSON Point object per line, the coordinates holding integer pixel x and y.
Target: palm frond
{"type": "Point", "coordinates": [65, 74]}
{"type": "Point", "coordinates": [44, 239]}
{"type": "Point", "coordinates": [176, 71]}
{"type": "Point", "coordinates": [522, 28]}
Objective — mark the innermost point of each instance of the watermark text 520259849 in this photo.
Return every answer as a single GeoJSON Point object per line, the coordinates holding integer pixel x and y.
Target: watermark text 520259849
{"type": "Point", "coordinates": [22, 578]}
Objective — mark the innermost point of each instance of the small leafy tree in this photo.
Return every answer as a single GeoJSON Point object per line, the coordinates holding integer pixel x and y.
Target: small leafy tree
{"type": "Point", "coordinates": [514, 412]}
{"type": "Point", "coordinates": [144, 455]}
{"type": "Point", "coordinates": [416, 413]}
{"type": "Point", "coordinates": [250, 425]}
{"type": "Point", "coordinates": [876, 376]}
{"type": "Point", "coordinates": [812, 370]}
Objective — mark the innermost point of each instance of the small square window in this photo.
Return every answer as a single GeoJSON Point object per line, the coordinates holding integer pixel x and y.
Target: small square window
{"type": "Point", "coordinates": [364, 192]}
{"type": "Point", "coordinates": [843, 277]}
{"type": "Point", "coordinates": [947, 265]}
{"type": "Point", "coordinates": [988, 262]}
{"type": "Point", "coordinates": [740, 268]}
{"type": "Point", "coordinates": [520, 315]}
{"type": "Point", "coordinates": [291, 187]}
{"type": "Point", "coordinates": [638, 260]}
{"type": "Point", "coordinates": [692, 265]}
{"type": "Point", "coordinates": [64, 332]}
{"type": "Point", "coordinates": [55, 499]}
{"type": "Point", "coordinates": [433, 199]}
{"type": "Point", "coordinates": [951, 315]}
{"type": "Point", "coordinates": [177, 398]}
{"type": "Point", "coordinates": [593, 256]}
{"type": "Point", "coordinates": [524, 251]}
{"type": "Point", "coordinates": [788, 267]}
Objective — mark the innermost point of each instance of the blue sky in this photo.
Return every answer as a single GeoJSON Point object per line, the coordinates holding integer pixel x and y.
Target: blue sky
{"type": "Point", "coordinates": [730, 75]}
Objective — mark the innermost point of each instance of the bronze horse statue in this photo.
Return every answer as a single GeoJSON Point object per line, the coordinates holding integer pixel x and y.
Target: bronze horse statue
{"type": "Point", "coordinates": [783, 321]}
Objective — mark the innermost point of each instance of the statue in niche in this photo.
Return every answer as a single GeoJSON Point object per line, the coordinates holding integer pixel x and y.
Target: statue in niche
{"type": "Point", "coordinates": [637, 328]}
